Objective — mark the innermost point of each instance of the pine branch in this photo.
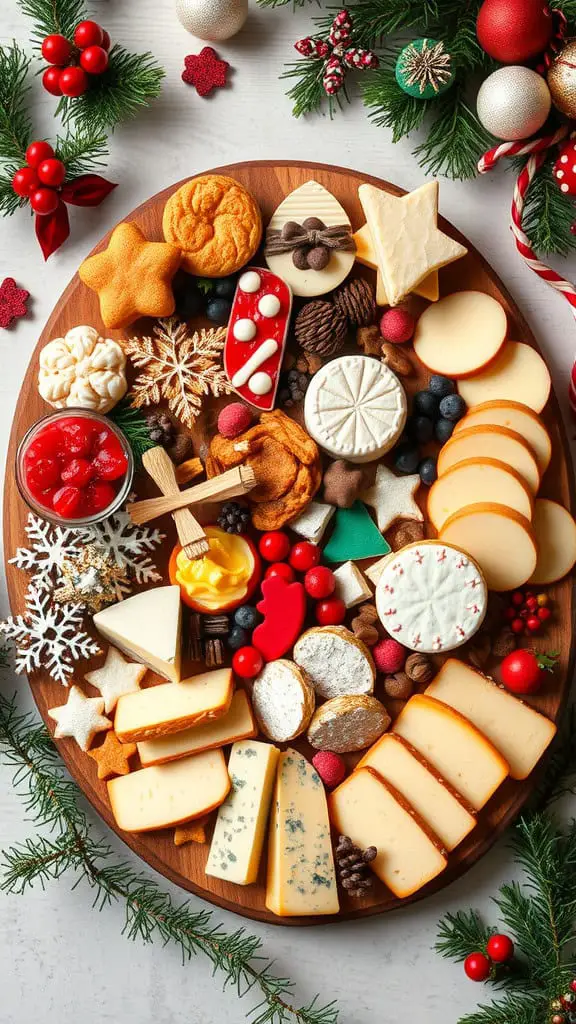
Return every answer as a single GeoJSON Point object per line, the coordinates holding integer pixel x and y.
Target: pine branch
{"type": "Point", "coordinates": [462, 933]}
{"type": "Point", "coordinates": [391, 107]}
{"type": "Point", "coordinates": [53, 16]}
{"type": "Point", "coordinates": [456, 140]}
{"type": "Point", "coordinates": [133, 424]}
{"type": "Point", "coordinates": [81, 151]}
{"type": "Point", "coordinates": [308, 93]}
{"type": "Point", "coordinates": [549, 214]}
{"type": "Point", "coordinates": [15, 122]}
{"type": "Point", "coordinates": [568, 8]}
{"type": "Point", "coordinates": [131, 81]}
{"type": "Point", "coordinates": [511, 1009]}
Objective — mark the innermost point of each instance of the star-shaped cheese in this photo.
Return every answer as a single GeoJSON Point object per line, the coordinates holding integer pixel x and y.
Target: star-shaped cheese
{"type": "Point", "coordinates": [407, 241]}
{"type": "Point", "coordinates": [80, 718]}
{"type": "Point", "coordinates": [116, 677]}
{"type": "Point", "coordinates": [113, 757]}
{"type": "Point", "coordinates": [132, 277]}
{"type": "Point", "coordinates": [392, 497]}
{"type": "Point", "coordinates": [429, 288]}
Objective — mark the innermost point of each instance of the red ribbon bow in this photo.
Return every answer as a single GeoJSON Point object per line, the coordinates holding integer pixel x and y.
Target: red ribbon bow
{"type": "Point", "coordinates": [86, 190]}
{"type": "Point", "coordinates": [337, 54]}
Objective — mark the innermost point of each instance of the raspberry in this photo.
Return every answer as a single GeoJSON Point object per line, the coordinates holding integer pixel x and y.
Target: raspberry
{"type": "Point", "coordinates": [397, 326]}
{"type": "Point", "coordinates": [389, 656]}
{"type": "Point", "coordinates": [330, 767]}
{"type": "Point", "coordinates": [234, 419]}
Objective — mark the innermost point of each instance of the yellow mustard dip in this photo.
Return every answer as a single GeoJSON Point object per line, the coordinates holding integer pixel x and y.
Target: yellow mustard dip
{"type": "Point", "coordinates": [221, 577]}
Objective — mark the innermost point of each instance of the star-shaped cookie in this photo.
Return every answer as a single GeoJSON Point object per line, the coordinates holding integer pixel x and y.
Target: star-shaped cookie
{"type": "Point", "coordinates": [392, 497]}
{"type": "Point", "coordinates": [132, 277]}
{"type": "Point", "coordinates": [80, 718]}
{"type": "Point", "coordinates": [193, 832]}
{"type": "Point", "coordinates": [112, 757]}
{"type": "Point", "coordinates": [116, 677]}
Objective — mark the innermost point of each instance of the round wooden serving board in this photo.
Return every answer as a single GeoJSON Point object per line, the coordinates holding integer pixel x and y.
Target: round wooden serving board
{"type": "Point", "coordinates": [184, 865]}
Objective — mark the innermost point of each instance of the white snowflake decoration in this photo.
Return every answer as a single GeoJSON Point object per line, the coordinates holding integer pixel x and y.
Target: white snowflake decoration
{"type": "Point", "coordinates": [50, 546]}
{"type": "Point", "coordinates": [48, 636]}
{"type": "Point", "coordinates": [128, 544]}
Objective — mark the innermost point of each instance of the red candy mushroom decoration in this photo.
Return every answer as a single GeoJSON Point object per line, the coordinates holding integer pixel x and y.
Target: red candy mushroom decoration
{"type": "Point", "coordinates": [565, 168]}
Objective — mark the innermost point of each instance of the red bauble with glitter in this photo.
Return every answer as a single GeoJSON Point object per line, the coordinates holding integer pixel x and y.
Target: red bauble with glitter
{"type": "Point", "coordinates": [565, 168]}
{"type": "Point", "coordinates": [477, 966]}
{"type": "Point", "coordinates": [514, 31]}
{"type": "Point", "coordinates": [397, 326]}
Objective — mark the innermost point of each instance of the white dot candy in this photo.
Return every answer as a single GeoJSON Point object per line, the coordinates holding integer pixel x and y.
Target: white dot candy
{"type": "Point", "coordinates": [269, 305]}
{"type": "Point", "coordinates": [260, 383]}
{"type": "Point", "coordinates": [244, 329]}
{"type": "Point", "coordinates": [250, 281]}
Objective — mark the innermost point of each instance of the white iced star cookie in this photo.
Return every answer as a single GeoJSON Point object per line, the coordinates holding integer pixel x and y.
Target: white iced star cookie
{"type": "Point", "coordinates": [80, 718]}
{"type": "Point", "coordinates": [116, 677]}
{"type": "Point", "coordinates": [392, 497]}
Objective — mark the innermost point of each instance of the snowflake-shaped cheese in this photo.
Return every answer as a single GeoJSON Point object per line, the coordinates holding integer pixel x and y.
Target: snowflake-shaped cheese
{"type": "Point", "coordinates": [355, 408]}
{"type": "Point", "coordinates": [431, 597]}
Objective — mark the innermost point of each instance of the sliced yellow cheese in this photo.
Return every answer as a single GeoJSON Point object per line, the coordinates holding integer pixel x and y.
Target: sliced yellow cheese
{"type": "Point", "coordinates": [460, 334]}
{"type": "Point", "coordinates": [172, 707]}
{"type": "Point", "coordinates": [456, 749]}
{"type": "Point", "coordinates": [301, 877]}
{"type": "Point", "coordinates": [489, 442]}
{"type": "Point", "coordinates": [518, 374]}
{"type": "Point", "coordinates": [169, 794]}
{"type": "Point", "coordinates": [500, 540]}
{"type": "Point", "coordinates": [428, 288]}
{"type": "Point", "coordinates": [514, 416]}
{"type": "Point", "coordinates": [237, 723]}
{"type": "Point", "coordinates": [372, 813]}
{"type": "Point", "coordinates": [555, 532]}
{"type": "Point", "coordinates": [239, 831]}
{"type": "Point", "coordinates": [147, 628]}
{"type": "Point", "coordinates": [437, 803]}
{"type": "Point", "coordinates": [477, 480]}
{"type": "Point", "coordinates": [519, 732]}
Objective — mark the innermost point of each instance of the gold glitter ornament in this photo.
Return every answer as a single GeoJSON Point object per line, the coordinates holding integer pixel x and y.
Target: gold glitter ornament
{"type": "Point", "coordinates": [562, 80]}
{"type": "Point", "coordinates": [92, 578]}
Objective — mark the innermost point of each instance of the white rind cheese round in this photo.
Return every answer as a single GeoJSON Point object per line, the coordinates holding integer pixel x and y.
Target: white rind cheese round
{"type": "Point", "coordinates": [431, 597]}
{"type": "Point", "coordinates": [355, 408]}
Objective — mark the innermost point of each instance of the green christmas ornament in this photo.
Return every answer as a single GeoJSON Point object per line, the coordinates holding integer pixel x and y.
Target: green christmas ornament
{"type": "Point", "coordinates": [355, 536]}
{"type": "Point", "coordinates": [424, 69]}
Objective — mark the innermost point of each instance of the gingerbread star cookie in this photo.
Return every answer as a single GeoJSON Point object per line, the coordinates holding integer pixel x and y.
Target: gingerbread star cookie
{"type": "Point", "coordinates": [193, 832]}
{"type": "Point", "coordinates": [392, 497]}
{"type": "Point", "coordinates": [132, 277]}
{"type": "Point", "coordinates": [80, 718]}
{"type": "Point", "coordinates": [116, 677]}
{"type": "Point", "coordinates": [112, 757]}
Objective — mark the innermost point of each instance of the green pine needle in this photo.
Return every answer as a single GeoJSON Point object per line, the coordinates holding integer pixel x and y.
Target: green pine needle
{"type": "Point", "coordinates": [81, 149]}
{"type": "Point", "coordinates": [133, 424]}
{"type": "Point", "coordinates": [53, 16]}
{"type": "Point", "coordinates": [131, 81]}
{"type": "Point", "coordinates": [462, 933]}
{"type": "Point", "coordinates": [390, 106]}
{"type": "Point", "coordinates": [456, 140]}
{"type": "Point", "coordinates": [549, 214]}
{"type": "Point", "coordinates": [308, 94]}
{"type": "Point", "coordinates": [15, 121]}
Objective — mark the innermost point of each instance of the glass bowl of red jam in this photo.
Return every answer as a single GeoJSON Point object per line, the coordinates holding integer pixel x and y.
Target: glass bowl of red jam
{"type": "Point", "coordinates": [74, 467]}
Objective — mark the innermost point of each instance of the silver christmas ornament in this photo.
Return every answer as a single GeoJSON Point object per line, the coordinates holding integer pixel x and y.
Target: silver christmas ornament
{"type": "Point", "coordinates": [513, 103]}
{"type": "Point", "coordinates": [212, 20]}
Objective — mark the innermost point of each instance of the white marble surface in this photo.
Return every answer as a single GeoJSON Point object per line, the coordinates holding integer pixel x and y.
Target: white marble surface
{"type": "Point", "coordinates": [60, 959]}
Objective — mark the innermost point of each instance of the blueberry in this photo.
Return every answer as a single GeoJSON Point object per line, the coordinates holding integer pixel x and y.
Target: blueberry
{"type": "Point", "coordinates": [406, 458]}
{"type": "Point", "coordinates": [218, 310]}
{"type": "Point", "coordinates": [189, 301]}
{"type": "Point", "coordinates": [441, 386]}
{"type": "Point", "coordinates": [420, 429]}
{"type": "Point", "coordinates": [425, 404]}
{"type": "Point", "coordinates": [443, 429]}
{"type": "Point", "coordinates": [452, 407]}
{"type": "Point", "coordinates": [237, 638]}
{"type": "Point", "coordinates": [225, 287]}
{"type": "Point", "coordinates": [246, 616]}
{"type": "Point", "coordinates": [427, 470]}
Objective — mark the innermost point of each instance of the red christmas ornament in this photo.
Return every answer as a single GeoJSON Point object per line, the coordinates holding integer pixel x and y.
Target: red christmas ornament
{"type": "Point", "coordinates": [500, 948]}
{"type": "Point", "coordinates": [331, 612]}
{"type": "Point", "coordinates": [274, 546]}
{"type": "Point", "coordinates": [44, 201]}
{"type": "Point", "coordinates": [56, 50]}
{"type": "Point", "coordinates": [330, 767]}
{"type": "Point", "coordinates": [319, 582]}
{"type": "Point", "coordinates": [52, 172]}
{"type": "Point", "coordinates": [477, 966]}
{"type": "Point", "coordinates": [73, 82]}
{"type": "Point", "coordinates": [304, 555]}
{"type": "Point", "coordinates": [25, 182]}
{"type": "Point", "coordinates": [280, 569]}
{"type": "Point", "coordinates": [12, 302]}
{"type": "Point", "coordinates": [94, 60]}
{"type": "Point", "coordinates": [397, 326]}
{"type": "Point", "coordinates": [514, 31]}
{"type": "Point", "coordinates": [337, 52]}
{"type": "Point", "coordinates": [247, 662]}
{"type": "Point", "coordinates": [51, 81]}
{"type": "Point", "coordinates": [37, 152]}
{"type": "Point", "coordinates": [205, 71]}
{"type": "Point", "coordinates": [88, 33]}
{"type": "Point", "coordinates": [565, 168]}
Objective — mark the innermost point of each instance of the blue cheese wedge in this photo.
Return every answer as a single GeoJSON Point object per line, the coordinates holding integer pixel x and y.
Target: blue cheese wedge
{"type": "Point", "coordinates": [239, 832]}
{"type": "Point", "coordinates": [301, 878]}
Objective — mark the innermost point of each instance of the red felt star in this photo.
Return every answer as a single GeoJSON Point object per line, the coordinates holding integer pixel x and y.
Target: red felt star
{"type": "Point", "coordinates": [205, 71]}
{"type": "Point", "coordinates": [12, 301]}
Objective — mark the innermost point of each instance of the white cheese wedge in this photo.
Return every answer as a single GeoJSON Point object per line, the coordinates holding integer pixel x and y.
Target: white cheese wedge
{"type": "Point", "coordinates": [514, 416]}
{"type": "Point", "coordinates": [172, 707]}
{"type": "Point", "coordinates": [437, 803]}
{"type": "Point", "coordinates": [428, 288]}
{"type": "Point", "coordinates": [519, 732]}
{"type": "Point", "coordinates": [455, 747]}
{"type": "Point", "coordinates": [301, 877]}
{"type": "Point", "coordinates": [169, 794]}
{"type": "Point", "coordinates": [147, 628]}
{"type": "Point", "coordinates": [518, 374]}
{"type": "Point", "coordinates": [241, 824]}
{"type": "Point", "coordinates": [237, 723]}
{"type": "Point", "coordinates": [372, 813]}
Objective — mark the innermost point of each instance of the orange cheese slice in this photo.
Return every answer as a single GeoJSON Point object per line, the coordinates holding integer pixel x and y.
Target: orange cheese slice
{"type": "Point", "coordinates": [488, 442]}
{"type": "Point", "coordinates": [513, 416]}
{"type": "Point", "coordinates": [460, 334]}
{"type": "Point", "coordinates": [555, 531]}
{"type": "Point", "coordinates": [518, 374]}
{"type": "Point", "coordinates": [499, 539]}
{"type": "Point", "coordinates": [477, 480]}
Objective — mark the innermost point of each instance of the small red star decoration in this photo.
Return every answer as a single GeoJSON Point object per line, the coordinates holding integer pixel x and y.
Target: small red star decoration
{"type": "Point", "coordinates": [12, 301]}
{"type": "Point", "coordinates": [205, 71]}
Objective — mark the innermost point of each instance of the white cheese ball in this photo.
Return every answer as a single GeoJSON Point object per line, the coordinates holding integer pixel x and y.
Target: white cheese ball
{"type": "Point", "coordinates": [82, 370]}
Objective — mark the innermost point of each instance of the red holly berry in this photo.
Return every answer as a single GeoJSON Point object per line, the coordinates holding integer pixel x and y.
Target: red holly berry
{"type": "Point", "coordinates": [37, 152]}
{"type": "Point", "coordinates": [66, 501]}
{"type": "Point", "coordinates": [25, 181]}
{"type": "Point", "coordinates": [331, 612]}
{"type": "Point", "coordinates": [533, 623]}
{"type": "Point", "coordinates": [88, 33]}
{"type": "Point", "coordinates": [518, 598]}
{"type": "Point", "coordinates": [105, 44]}
{"type": "Point", "coordinates": [247, 662]}
{"type": "Point", "coordinates": [500, 948]}
{"type": "Point", "coordinates": [389, 656]}
{"type": "Point", "coordinates": [274, 546]}
{"type": "Point", "coordinates": [44, 201]}
{"type": "Point", "coordinates": [573, 985]}
{"type": "Point", "coordinates": [544, 614]}
{"type": "Point", "coordinates": [56, 50]}
{"type": "Point", "coordinates": [330, 767]}
{"type": "Point", "coordinates": [94, 60]}
{"type": "Point", "coordinates": [52, 172]}
{"type": "Point", "coordinates": [532, 603]}
{"type": "Point", "coordinates": [524, 672]}
{"type": "Point", "coordinates": [51, 81]}
{"type": "Point", "coordinates": [319, 582]}
{"type": "Point", "coordinates": [509, 614]}
{"type": "Point", "coordinates": [73, 82]}
{"type": "Point", "coordinates": [477, 966]}
{"type": "Point", "coordinates": [304, 555]}
{"type": "Point", "coordinates": [280, 569]}
{"type": "Point", "coordinates": [517, 626]}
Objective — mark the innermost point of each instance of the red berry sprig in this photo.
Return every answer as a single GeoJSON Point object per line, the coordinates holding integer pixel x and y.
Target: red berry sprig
{"type": "Point", "coordinates": [71, 63]}
{"type": "Point", "coordinates": [527, 612]}
{"type": "Point", "coordinates": [38, 181]}
{"type": "Point", "coordinates": [479, 966]}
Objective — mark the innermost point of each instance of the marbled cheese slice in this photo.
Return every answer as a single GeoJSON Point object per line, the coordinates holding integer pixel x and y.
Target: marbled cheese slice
{"type": "Point", "coordinates": [431, 597]}
{"type": "Point", "coordinates": [355, 408]}
{"type": "Point", "coordinates": [301, 877]}
{"type": "Point", "coordinates": [239, 831]}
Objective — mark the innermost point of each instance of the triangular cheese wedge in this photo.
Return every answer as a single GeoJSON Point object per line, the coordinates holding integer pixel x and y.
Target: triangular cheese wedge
{"type": "Point", "coordinates": [429, 288]}
{"type": "Point", "coordinates": [406, 238]}
{"type": "Point", "coordinates": [147, 628]}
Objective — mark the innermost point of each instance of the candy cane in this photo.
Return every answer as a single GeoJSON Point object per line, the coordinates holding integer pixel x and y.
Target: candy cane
{"type": "Point", "coordinates": [491, 158]}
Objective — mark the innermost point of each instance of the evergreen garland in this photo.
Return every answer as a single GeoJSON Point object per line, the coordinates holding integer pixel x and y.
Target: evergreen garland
{"type": "Point", "coordinates": [133, 424]}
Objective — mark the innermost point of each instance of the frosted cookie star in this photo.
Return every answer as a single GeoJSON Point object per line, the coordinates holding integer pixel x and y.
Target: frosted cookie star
{"type": "Point", "coordinates": [392, 497]}
{"type": "Point", "coordinates": [116, 677]}
{"type": "Point", "coordinates": [80, 718]}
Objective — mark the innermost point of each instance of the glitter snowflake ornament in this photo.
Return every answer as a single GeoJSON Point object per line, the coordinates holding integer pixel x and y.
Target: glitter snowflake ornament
{"type": "Point", "coordinates": [338, 53]}
{"type": "Point", "coordinates": [49, 547]}
{"type": "Point", "coordinates": [424, 69]}
{"type": "Point", "coordinates": [92, 578]}
{"type": "Point", "coordinates": [128, 545]}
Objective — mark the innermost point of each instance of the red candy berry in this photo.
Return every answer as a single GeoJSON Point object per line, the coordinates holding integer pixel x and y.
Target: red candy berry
{"type": "Point", "coordinates": [247, 662]}
{"type": "Point", "coordinates": [99, 495]}
{"type": "Point", "coordinates": [319, 582]}
{"type": "Point", "coordinates": [52, 172]}
{"type": "Point", "coordinates": [518, 598]}
{"type": "Point", "coordinates": [37, 152]}
{"type": "Point", "coordinates": [274, 546]}
{"type": "Point", "coordinates": [389, 656]}
{"type": "Point", "coordinates": [331, 612]}
{"type": "Point", "coordinates": [44, 201]}
{"type": "Point", "coordinates": [51, 81]}
{"type": "Point", "coordinates": [25, 182]}
{"type": "Point", "coordinates": [56, 50]}
{"type": "Point", "coordinates": [397, 326]}
{"type": "Point", "coordinates": [304, 555]}
{"type": "Point", "coordinates": [77, 472]}
{"type": "Point", "coordinates": [88, 33]}
{"type": "Point", "coordinates": [73, 82]}
{"type": "Point", "coordinates": [234, 420]}
{"type": "Point", "coordinates": [544, 614]}
{"type": "Point", "coordinates": [330, 768]}
{"type": "Point", "coordinates": [66, 501]}
{"type": "Point", "coordinates": [94, 60]}
{"type": "Point", "coordinates": [533, 623]}
{"type": "Point", "coordinates": [280, 569]}
{"type": "Point", "coordinates": [477, 966]}
{"type": "Point", "coordinates": [500, 948]}
{"type": "Point", "coordinates": [517, 626]}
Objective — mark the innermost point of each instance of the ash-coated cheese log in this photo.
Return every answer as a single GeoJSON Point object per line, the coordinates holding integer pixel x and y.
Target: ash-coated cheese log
{"type": "Point", "coordinates": [172, 707]}
{"type": "Point", "coordinates": [235, 724]}
{"type": "Point", "coordinates": [351, 722]}
{"type": "Point", "coordinates": [283, 700]}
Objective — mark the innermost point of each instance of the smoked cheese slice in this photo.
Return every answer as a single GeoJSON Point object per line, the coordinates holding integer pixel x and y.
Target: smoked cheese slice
{"type": "Point", "coordinates": [518, 374]}
{"type": "Point", "coordinates": [514, 416]}
{"type": "Point", "coordinates": [500, 540]}
{"type": "Point", "coordinates": [235, 724]}
{"type": "Point", "coordinates": [488, 442]}
{"type": "Point", "coordinates": [172, 707]}
{"type": "Point", "coordinates": [555, 532]}
{"type": "Point", "coordinates": [460, 334]}
{"type": "Point", "coordinates": [477, 480]}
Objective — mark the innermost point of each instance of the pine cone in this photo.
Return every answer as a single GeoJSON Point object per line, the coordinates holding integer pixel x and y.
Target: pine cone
{"type": "Point", "coordinates": [352, 865]}
{"type": "Point", "coordinates": [160, 427]}
{"type": "Point", "coordinates": [321, 328]}
{"type": "Point", "coordinates": [357, 301]}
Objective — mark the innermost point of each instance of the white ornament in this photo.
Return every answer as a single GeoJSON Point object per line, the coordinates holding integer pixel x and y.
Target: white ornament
{"type": "Point", "coordinates": [50, 547]}
{"type": "Point", "coordinates": [115, 678]}
{"type": "Point", "coordinates": [82, 370]}
{"type": "Point", "coordinates": [250, 282]}
{"type": "Point", "coordinates": [212, 20]}
{"type": "Point", "coordinates": [128, 544]}
{"type": "Point", "coordinates": [513, 103]}
{"type": "Point", "coordinates": [80, 718]}
{"type": "Point", "coordinates": [392, 497]}
{"type": "Point", "coordinates": [269, 305]}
